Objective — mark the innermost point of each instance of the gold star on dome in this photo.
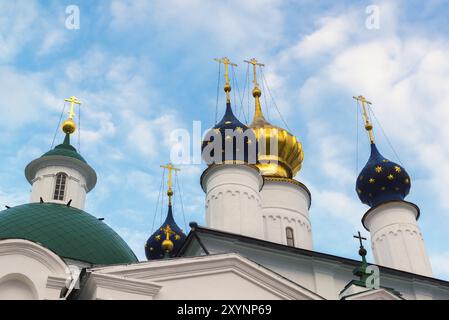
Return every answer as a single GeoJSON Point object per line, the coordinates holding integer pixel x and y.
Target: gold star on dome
{"type": "Point", "coordinates": [239, 130]}
{"type": "Point", "coordinates": [217, 130]}
{"type": "Point", "coordinates": [370, 195]}
{"type": "Point", "coordinates": [407, 181]}
{"type": "Point", "coordinates": [361, 178]}
{"type": "Point", "coordinates": [378, 169]}
{"type": "Point", "coordinates": [390, 177]}
{"type": "Point", "coordinates": [177, 237]}
{"type": "Point", "coordinates": [359, 191]}
{"type": "Point", "coordinates": [158, 237]}
{"type": "Point", "coordinates": [383, 188]}
{"type": "Point", "coordinates": [396, 189]}
{"type": "Point", "coordinates": [384, 160]}
{"type": "Point", "coordinates": [371, 180]}
{"type": "Point", "coordinates": [397, 169]}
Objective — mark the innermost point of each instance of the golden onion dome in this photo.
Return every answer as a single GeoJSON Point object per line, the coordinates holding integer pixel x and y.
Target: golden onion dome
{"type": "Point", "coordinates": [287, 160]}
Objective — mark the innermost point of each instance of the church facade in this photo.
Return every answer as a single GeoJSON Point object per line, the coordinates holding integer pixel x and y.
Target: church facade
{"type": "Point", "coordinates": [257, 240]}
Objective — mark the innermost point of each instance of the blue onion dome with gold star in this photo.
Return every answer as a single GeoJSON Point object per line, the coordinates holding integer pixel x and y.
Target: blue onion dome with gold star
{"type": "Point", "coordinates": [380, 180]}
{"type": "Point", "coordinates": [166, 241]}
{"type": "Point", "coordinates": [229, 141]}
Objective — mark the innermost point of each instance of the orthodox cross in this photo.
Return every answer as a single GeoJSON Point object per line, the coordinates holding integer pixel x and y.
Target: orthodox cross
{"type": "Point", "coordinates": [368, 125]}
{"type": "Point", "coordinates": [227, 86]}
{"type": "Point", "coordinates": [73, 100]}
{"type": "Point", "coordinates": [170, 169]}
{"type": "Point", "coordinates": [359, 236]}
{"type": "Point", "coordinates": [255, 63]}
{"type": "Point", "coordinates": [167, 231]}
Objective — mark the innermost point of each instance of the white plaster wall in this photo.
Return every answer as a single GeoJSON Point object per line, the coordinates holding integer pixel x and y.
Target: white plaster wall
{"type": "Point", "coordinates": [233, 200]}
{"type": "Point", "coordinates": [226, 285]}
{"type": "Point", "coordinates": [45, 181]}
{"type": "Point", "coordinates": [285, 204]}
{"type": "Point", "coordinates": [30, 271]}
{"type": "Point", "coordinates": [396, 239]}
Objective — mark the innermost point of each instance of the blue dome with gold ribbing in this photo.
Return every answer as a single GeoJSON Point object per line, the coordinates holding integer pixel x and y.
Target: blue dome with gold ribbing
{"type": "Point", "coordinates": [382, 180]}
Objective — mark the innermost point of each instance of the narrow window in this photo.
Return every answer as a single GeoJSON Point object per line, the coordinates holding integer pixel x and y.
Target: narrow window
{"type": "Point", "coordinates": [60, 186]}
{"type": "Point", "coordinates": [290, 237]}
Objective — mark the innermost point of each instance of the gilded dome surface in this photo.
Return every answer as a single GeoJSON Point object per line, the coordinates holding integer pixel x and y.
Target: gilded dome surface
{"type": "Point", "coordinates": [284, 162]}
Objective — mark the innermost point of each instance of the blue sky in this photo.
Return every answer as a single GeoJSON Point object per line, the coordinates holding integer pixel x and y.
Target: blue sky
{"type": "Point", "coordinates": [144, 68]}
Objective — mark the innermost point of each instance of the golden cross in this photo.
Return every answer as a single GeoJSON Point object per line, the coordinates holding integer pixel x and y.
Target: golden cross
{"type": "Point", "coordinates": [168, 231]}
{"type": "Point", "coordinates": [227, 86]}
{"type": "Point", "coordinates": [254, 62]}
{"type": "Point", "coordinates": [170, 169]}
{"type": "Point", "coordinates": [73, 100]}
{"type": "Point", "coordinates": [368, 125]}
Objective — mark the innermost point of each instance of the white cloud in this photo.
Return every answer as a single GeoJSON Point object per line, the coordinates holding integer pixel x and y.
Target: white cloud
{"type": "Point", "coordinates": [440, 265]}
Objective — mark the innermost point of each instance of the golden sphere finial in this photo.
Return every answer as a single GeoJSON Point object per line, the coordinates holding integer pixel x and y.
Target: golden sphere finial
{"type": "Point", "coordinates": [68, 126]}
{"type": "Point", "coordinates": [167, 245]}
{"type": "Point", "coordinates": [256, 92]}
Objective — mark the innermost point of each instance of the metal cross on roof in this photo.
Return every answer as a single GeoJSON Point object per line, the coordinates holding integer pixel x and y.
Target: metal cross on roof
{"type": "Point", "coordinates": [359, 236]}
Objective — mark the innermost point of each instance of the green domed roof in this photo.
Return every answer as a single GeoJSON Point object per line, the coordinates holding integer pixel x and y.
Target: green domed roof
{"type": "Point", "coordinates": [67, 231]}
{"type": "Point", "coordinates": [65, 149]}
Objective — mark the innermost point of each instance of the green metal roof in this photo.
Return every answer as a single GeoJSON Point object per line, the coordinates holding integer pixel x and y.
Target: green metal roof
{"type": "Point", "coordinates": [65, 149]}
{"type": "Point", "coordinates": [67, 231]}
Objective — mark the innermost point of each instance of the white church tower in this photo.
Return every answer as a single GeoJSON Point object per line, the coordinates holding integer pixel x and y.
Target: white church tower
{"type": "Point", "coordinates": [232, 182]}
{"type": "Point", "coordinates": [396, 238]}
{"type": "Point", "coordinates": [61, 175]}
{"type": "Point", "coordinates": [255, 196]}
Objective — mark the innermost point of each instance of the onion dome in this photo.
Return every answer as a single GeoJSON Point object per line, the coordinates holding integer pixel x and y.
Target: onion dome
{"type": "Point", "coordinates": [286, 161]}
{"type": "Point", "coordinates": [69, 232]}
{"type": "Point", "coordinates": [166, 240]}
{"type": "Point", "coordinates": [382, 180]}
{"type": "Point", "coordinates": [229, 141]}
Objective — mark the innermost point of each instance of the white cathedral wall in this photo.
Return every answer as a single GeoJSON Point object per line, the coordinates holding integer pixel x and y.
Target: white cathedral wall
{"type": "Point", "coordinates": [325, 277]}
{"type": "Point", "coordinates": [285, 204]}
{"type": "Point", "coordinates": [396, 239]}
{"type": "Point", "coordinates": [233, 200]}
{"type": "Point", "coordinates": [44, 186]}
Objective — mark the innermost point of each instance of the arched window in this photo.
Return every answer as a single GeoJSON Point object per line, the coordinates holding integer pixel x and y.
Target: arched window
{"type": "Point", "coordinates": [61, 178]}
{"type": "Point", "coordinates": [290, 236]}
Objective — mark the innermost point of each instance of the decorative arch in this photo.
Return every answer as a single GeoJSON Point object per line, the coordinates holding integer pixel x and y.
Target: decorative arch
{"type": "Point", "coordinates": [16, 286]}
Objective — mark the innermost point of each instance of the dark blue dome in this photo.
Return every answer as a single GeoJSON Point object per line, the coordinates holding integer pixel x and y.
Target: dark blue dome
{"type": "Point", "coordinates": [238, 142]}
{"type": "Point", "coordinates": [382, 180]}
{"type": "Point", "coordinates": [154, 248]}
